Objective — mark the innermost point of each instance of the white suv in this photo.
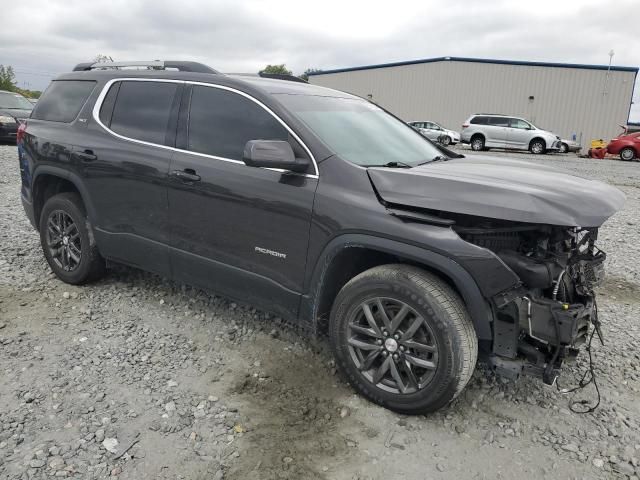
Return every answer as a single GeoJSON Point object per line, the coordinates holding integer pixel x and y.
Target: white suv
{"type": "Point", "coordinates": [484, 131]}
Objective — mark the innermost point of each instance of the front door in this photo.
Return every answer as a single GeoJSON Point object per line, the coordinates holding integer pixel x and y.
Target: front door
{"type": "Point", "coordinates": [519, 134]}
{"type": "Point", "coordinates": [239, 230]}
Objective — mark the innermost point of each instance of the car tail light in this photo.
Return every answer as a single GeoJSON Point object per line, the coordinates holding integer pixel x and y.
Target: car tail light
{"type": "Point", "coordinates": [465, 125]}
{"type": "Point", "coordinates": [20, 134]}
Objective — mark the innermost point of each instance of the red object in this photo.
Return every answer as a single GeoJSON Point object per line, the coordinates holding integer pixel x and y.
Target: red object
{"type": "Point", "coordinates": [624, 145]}
{"type": "Point", "coordinates": [20, 133]}
{"type": "Point", "coordinates": [598, 153]}
{"type": "Point", "coordinates": [465, 125]}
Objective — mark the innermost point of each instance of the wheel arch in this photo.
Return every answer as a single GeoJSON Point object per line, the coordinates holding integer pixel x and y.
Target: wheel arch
{"type": "Point", "coordinates": [49, 181]}
{"type": "Point", "coordinates": [348, 255]}
{"type": "Point", "coordinates": [544, 142]}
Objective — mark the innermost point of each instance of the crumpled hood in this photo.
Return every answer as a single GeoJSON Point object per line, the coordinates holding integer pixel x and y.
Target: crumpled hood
{"type": "Point", "coordinates": [499, 188]}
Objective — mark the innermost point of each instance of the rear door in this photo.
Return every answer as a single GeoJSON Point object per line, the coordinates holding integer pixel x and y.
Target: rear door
{"type": "Point", "coordinates": [497, 132]}
{"type": "Point", "coordinates": [239, 230]}
{"type": "Point", "coordinates": [124, 161]}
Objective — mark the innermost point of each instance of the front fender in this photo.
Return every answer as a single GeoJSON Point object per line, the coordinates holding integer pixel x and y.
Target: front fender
{"type": "Point", "coordinates": [478, 308]}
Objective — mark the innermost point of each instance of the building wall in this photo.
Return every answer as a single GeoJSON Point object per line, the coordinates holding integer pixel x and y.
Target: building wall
{"type": "Point", "coordinates": [566, 101]}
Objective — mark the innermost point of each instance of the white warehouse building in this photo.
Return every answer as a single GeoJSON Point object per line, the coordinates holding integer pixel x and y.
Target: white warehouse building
{"type": "Point", "coordinates": [589, 102]}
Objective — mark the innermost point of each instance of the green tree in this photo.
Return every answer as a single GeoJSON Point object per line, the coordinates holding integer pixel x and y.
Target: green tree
{"type": "Point", "coordinates": [276, 69]}
{"type": "Point", "coordinates": [305, 75]}
{"type": "Point", "coordinates": [7, 78]}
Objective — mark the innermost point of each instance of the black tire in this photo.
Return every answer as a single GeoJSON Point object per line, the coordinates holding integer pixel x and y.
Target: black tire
{"type": "Point", "coordinates": [445, 140]}
{"type": "Point", "coordinates": [444, 327]}
{"type": "Point", "coordinates": [537, 146]}
{"type": "Point", "coordinates": [564, 148]}
{"type": "Point", "coordinates": [627, 154]}
{"type": "Point", "coordinates": [67, 210]}
{"type": "Point", "coordinates": [477, 143]}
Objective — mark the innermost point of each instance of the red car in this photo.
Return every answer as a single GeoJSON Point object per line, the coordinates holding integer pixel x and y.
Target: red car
{"type": "Point", "coordinates": [627, 146]}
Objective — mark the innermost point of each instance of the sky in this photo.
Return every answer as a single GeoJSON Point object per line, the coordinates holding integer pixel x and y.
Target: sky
{"type": "Point", "coordinates": [43, 38]}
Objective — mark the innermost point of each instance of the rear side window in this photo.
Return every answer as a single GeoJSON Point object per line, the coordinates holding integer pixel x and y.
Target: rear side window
{"type": "Point", "coordinates": [142, 110]}
{"type": "Point", "coordinates": [499, 121]}
{"type": "Point", "coordinates": [222, 122]}
{"type": "Point", "coordinates": [63, 100]}
{"type": "Point", "coordinates": [479, 120]}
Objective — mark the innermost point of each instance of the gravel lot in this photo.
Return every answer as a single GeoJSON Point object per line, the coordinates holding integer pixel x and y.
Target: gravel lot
{"type": "Point", "coordinates": [137, 377]}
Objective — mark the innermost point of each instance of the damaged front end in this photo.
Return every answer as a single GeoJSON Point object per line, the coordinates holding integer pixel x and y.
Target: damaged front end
{"type": "Point", "coordinates": [544, 320]}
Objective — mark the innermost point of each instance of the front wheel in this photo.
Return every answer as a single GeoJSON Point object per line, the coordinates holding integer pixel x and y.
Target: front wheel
{"type": "Point", "coordinates": [403, 338]}
{"type": "Point", "coordinates": [537, 147]}
{"type": "Point", "coordinates": [564, 148]}
{"type": "Point", "coordinates": [627, 154]}
{"type": "Point", "coordinates": [445, 140]}
{"type": "Point", "coordinates": [67, 245]}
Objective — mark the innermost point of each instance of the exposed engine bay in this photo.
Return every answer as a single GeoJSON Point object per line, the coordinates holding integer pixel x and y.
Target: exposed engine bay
{"type": "Point", "coordinates": [545, 320]}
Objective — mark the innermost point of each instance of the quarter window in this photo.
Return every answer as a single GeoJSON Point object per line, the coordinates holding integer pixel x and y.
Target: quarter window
{"type": "Point", "coordinates": [142, 110]}
{"type": "Point", "coordinates": [62, 101]}
{"type": "Point", "coordinates": [222, 122]}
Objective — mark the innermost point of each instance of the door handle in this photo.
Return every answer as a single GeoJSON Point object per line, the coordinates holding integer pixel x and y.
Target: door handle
{"type": "Point", "coordinates": [86, 155]}
{"type": "Point", "coordinates": [186, 175]}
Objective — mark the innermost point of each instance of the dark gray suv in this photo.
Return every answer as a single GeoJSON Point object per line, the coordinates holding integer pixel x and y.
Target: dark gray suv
{"type": "Point", "coordinates": [324, 209]}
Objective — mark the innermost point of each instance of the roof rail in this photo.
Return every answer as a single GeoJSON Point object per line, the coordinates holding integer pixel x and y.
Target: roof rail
{"type": "Point", "coordinates": [151, 65]}
{"type": "Point", "coordinates": [282, 76]}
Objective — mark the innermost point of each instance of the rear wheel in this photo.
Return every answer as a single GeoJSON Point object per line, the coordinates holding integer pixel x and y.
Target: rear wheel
{"type": "Point", "coordinates": [537, 146]}
{"type": "Point", "coordinates": [627, 154]}
{"type": "Point", "coordinates": [403, 338]}
{"type": "Point", "coordinates": [67, 245]}
{"type": "Point", "coordinates": [477, 143]}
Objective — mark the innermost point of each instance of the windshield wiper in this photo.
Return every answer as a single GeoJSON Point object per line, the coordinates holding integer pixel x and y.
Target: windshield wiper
{"type": "Point", "coordinates": [394, 165]}
{"type": "Point", "coordinates": [439, 158]}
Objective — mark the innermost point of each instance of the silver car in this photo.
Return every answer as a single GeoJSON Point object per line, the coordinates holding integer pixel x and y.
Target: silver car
{"type": "Point", "coordinates": [484, 131]}
{"type": "Point", "coordinates": [437, 133]}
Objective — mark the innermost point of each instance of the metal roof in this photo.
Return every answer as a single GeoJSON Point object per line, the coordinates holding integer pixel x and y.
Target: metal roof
{"type": "Point", "coordinates": [479, 60]}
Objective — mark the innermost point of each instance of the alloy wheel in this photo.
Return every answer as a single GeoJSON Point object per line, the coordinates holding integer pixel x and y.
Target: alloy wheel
{"type": "Point", "coordinates": [537, 147]}
{"type": "Point", "coordinates": [477, 145]}
{"type": "Point", "coordinates": [392, 345]}
{"type": "Point", "coordinates": [63, 241]}
{"type": "Point", "coordinates": [627, 154]}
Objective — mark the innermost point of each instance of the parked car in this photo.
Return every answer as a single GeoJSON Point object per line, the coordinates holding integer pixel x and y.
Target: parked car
{"type": "Point", "coordinates": [567, 146]}
{"type": "Point", "coordinates": [484, 131]}
{"type": "Point", "coordinates": [627, 146]}
{"type": "Point", "coordinates": [14, 108]}
{"type": "Point", "coordinates": [437, 133]}
{"type": "Point", "coordinates": [320, 207]}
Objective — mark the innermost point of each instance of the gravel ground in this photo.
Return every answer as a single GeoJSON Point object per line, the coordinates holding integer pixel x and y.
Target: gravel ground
{"type": "Point", "coordinates": [137, 377]}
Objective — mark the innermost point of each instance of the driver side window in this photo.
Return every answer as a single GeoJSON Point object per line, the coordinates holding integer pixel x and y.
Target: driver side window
{"type": "Point", "coordinates": [519, 124]}
{"type": "Point", "coordinates": [222, 122]}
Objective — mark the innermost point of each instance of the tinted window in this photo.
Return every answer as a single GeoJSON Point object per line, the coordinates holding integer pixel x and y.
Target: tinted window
{"type": "Point", "coordinates": [106, 109]}
{"type": "Point", "coordinates": [62, 101]}
{"type": "Point", "coordinates": [222, 122]}
{"type": "Point", "coordinates": [142, 110]}
{"type": "Point", "coordinates": [479, 120]}
{"type": "Point", "coordinates": [499, 121]}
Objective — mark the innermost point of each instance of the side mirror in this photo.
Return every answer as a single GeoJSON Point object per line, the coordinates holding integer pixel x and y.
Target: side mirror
{"type": "Point", "coordinates": [273, 154]}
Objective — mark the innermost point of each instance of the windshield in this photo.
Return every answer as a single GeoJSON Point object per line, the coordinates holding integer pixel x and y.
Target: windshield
{"type": "Point", "coordinates": [361, 132]}
{"type": "Point", "coordinates": [14, 101]}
